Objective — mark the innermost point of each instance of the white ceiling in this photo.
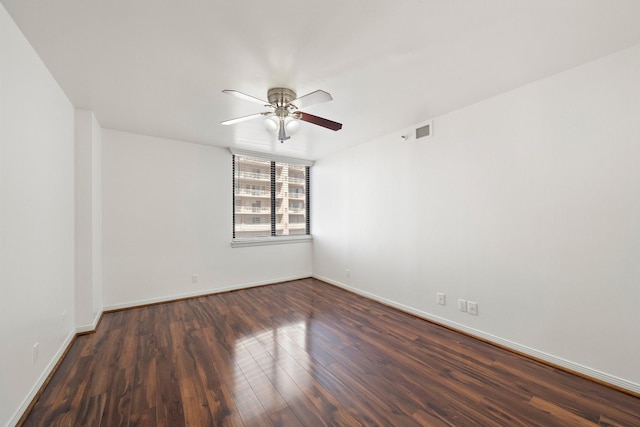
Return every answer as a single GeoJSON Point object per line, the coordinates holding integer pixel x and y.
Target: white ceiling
{"type": "Point", "coordinates": [158, 67]}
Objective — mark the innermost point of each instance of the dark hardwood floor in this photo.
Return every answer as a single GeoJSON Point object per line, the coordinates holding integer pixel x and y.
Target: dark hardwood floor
{"type": "Point", "coordinates": [305, 353]}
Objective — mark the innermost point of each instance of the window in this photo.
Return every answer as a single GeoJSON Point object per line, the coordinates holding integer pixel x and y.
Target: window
{"type": "Point", "coordinates": [270, 198]}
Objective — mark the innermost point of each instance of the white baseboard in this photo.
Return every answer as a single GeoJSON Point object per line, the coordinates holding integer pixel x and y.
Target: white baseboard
{"type": "Point", "coordinates": [43, 377]}
{"type": "Point", "coordinates": [131, 304]}
{"type": "Point", "coordinates": [92, 327]}
{"type": "Point", "coordinates": [554, 360]}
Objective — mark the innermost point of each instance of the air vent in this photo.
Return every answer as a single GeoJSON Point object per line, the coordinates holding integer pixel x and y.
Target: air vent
{"type": "Point", "coordinates": [425, 131]}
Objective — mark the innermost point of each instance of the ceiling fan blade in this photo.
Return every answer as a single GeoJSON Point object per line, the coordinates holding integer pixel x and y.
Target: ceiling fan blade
{"type": "Point", "coordinates": [325, 123]}
{"type": "Point", "coordinates": [245, 96]}
{"type": "Point", "coordinates": [243, 118]}
{"type": "Point", "coordinates": [313, 98]}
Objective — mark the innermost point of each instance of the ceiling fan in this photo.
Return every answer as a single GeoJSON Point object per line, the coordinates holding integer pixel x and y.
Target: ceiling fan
{"type": "Point", "coordinates": [286, 113]}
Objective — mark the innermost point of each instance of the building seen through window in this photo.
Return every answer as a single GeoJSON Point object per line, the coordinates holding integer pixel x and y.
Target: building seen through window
{"type": "Point", "coordinates": [270, 198]}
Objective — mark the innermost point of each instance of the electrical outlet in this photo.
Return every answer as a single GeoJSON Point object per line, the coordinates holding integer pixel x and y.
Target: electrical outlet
{"type": "Point", "coordinates": [194, 278]}
{"type": "Point", "coordinates": [35, 352]}
{"type": "Point", "coordinates": [348, 272]}
{"type": "Point", "coordinates": [442, 298]}
{"type": "Point", "coordinates": [462, 304]}
{"type": "Point", "coordinates": [473, 307]}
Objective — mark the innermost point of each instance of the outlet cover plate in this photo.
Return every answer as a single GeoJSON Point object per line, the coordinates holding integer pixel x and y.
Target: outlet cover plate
{"type": "Point", "coordinates": [473, 307]}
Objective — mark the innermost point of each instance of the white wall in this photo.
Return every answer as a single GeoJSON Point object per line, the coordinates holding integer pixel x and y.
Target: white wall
{"type": "Point", "coordinates": [167, 216]}
{"type": "Point", "coordinates": [527, 203]}
{"type": "Point", "coordinates": [36, 220]}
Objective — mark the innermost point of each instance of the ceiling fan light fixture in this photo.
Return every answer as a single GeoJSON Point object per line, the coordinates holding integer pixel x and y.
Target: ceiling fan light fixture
{"type": "Point", "coordinates": [271, 124]}
{"type": "Point", "coordinates": [291, 125]}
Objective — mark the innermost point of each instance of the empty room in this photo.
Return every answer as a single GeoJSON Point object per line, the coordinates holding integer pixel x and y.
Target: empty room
{"type": "Point", "coordinates": [340, 213]}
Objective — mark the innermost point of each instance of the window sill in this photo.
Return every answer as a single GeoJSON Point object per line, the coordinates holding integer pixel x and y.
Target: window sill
{"type": "Point", "coordinates": [263, 241]}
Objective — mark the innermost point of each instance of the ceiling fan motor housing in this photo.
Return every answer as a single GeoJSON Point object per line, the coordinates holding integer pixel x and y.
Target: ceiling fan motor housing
{"type": "Point", "coordinates": [280, 96]}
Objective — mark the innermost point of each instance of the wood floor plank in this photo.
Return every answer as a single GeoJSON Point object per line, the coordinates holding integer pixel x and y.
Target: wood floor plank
{"type": "Point", "coordinates": [305, 353]}
{"type": "Point", "coordinates": [425, 418]}
{"type": "Point", "coordinates": [561, 413]}
{"type": "Point", "coordinates": [170, 410]}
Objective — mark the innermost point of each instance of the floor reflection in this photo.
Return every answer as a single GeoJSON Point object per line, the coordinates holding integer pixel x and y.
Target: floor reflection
{"type": "Point", "coordinates": [273, 365]}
